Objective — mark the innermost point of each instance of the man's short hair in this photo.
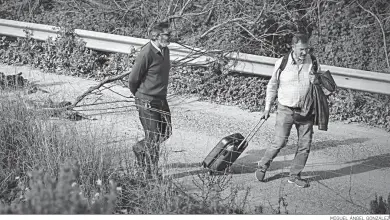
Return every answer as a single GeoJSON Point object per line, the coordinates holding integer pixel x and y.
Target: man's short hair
{"type": "Point", "coordinates": [159, 28]}
{"type": "Point", "coordinates": [300, 37]}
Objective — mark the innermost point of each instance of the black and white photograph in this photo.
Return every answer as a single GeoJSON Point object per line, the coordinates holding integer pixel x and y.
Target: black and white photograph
{"type": "Point", "coordinates": [267, 109]}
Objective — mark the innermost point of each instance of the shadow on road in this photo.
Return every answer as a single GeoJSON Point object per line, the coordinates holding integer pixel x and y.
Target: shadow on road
{"type": "Point", "coordinates": [190, 169]}
{"type": "Point", "coordinates": [248, 163]}
{"type": "Point", "coordinates": [356, 167]}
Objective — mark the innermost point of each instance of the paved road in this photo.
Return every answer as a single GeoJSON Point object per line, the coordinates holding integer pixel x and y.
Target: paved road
{"type": "Point", "coordinates": [348, 164]}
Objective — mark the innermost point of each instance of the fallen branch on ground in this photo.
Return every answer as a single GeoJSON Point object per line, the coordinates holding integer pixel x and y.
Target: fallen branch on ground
{"type": "Point", "coordinates": [67, 108]}
{"type": "Point", "coordinates": [93, 88]}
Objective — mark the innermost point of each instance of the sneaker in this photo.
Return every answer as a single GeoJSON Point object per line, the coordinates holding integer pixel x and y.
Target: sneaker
{"type": "Point", "coordinates": [260, 174]}
{"type": "Point", "coordinates": [299, 182]}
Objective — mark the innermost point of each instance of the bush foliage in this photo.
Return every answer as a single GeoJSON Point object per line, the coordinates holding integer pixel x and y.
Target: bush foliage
{"type": "Point", "coordinates": [51, 168]}
{"type": "Point", "coordinates": [36, 175]}
{"type": "Point", "coordinates": [249, 93]}
{"type": "Point", "coordinates": [49, 195]}
{"type": "Point", "coordinates": [346, 33]}
{"type": "Point", "coordinates": [68, 55]}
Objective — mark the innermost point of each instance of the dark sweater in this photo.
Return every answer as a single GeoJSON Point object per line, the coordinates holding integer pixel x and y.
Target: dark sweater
{"type": "Point", "coordinates": [149, 76]}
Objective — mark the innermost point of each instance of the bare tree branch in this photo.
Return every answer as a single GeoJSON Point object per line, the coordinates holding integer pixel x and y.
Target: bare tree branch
{"type": "Point", "coordinates": [219, 25]}
{"type": "Point", "coordinates": [210, 12]}
{"type": "Point", "coordinates": [109, 88]}
{"type": "Point", "coordinates": [169, 8]}
{"type": "Point", "coordinates": [261, 13]}
{"type": "Point", "coordinates": [185, 15]}
{"type": "Point", "coordinates": [92, 88]}
{"type": "Point", "coordinates": [252, 35]}
{"type": "Point", "coordinates": [184, 7]}
{"type": "Point", "coordinates": [107, 108]}
{"type": "Point", "coordinates": [93, 2]}
{"type": "Point", "coordinates": [103, 103]}
{"type": "Point", "coordinates": [382, 29]}
{"type": "Point", "coordinates": [117, 5]}
{"type": "Point", "coordinates": [4, 8]}
{"type": "Point", "coordinates": [176, 5]}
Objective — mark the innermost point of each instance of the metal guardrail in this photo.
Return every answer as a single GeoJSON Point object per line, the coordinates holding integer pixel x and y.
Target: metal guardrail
{"type": "Point", "coordinates": [244, 63]}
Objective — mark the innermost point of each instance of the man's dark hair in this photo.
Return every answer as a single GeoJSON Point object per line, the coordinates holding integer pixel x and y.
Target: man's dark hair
{"type": "Point", "coordinates": [159, 28]}
{"type": "Point", "coordinates": [300, 37]}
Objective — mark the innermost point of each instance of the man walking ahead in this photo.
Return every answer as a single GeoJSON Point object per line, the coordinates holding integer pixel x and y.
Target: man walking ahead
{"type": "Point", "coordinates": [291, 85]}
{"type": "Point", "coordinates": [148, 82]}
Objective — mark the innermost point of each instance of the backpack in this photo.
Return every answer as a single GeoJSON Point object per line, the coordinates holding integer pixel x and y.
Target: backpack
{"type": "Point", "coordinates": [285, 59]}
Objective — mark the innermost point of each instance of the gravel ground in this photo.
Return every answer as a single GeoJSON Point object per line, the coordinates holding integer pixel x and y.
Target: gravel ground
{"type": "Point", "coordinates": [348, 164]}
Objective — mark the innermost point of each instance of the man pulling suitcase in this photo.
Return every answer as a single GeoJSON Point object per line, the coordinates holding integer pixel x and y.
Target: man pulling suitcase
{"type": "Point", "coordinates": [291, 82]}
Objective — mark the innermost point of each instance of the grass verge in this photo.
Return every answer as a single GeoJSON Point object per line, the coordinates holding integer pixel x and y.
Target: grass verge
{"type": "Point", "coordinates": [52, 167]}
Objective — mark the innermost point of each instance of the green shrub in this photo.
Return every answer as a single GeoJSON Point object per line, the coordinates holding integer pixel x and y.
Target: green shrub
{"type": "Point", "coordinates": [355, 106]}
{"type": "Point", "coordinates": [343, 34]}
{"type": "Point", "coordinates": [52, 167]}
{"type": "Point", "coordinates": [354, 44]}
{"type": "Point", "coordinates": [30, 140]}
{"type": "Point", "coordinates": [66, 54]}
{"type": "Point", "coordinates": [212, 195]}
{"type": "Point", "coordinates": [210, 84]}
{"type": "Point", "coordinates": [249, 92]}
{"type": "Point", "coordinates": [350, 37]}
{"type": "Point", "coordinates": [45, 194]}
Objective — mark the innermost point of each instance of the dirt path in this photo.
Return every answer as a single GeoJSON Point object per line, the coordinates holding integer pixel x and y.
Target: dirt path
{"type": "Point", "coordinates": [348, 164]}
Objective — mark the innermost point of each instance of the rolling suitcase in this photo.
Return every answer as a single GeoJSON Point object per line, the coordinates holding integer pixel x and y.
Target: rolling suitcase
{"type": "Point", "coordinates": [228, 149]}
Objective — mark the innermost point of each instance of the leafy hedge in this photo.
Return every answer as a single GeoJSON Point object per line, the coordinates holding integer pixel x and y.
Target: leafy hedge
{"type": "Point", "coordinates": [68, 55]}
{"type": "Point", "coordinates": [231, 89]}
{"type": "Point", "coordinates": [47, 168]}
{"type": "Point", "coordinates": [343, 33]}
{"type": "Point", "coordinates": [47, 195]}
{"type": "Point", "coordinates": [351, 37]}
{"type": "Point", "coordinates": [249, 93]}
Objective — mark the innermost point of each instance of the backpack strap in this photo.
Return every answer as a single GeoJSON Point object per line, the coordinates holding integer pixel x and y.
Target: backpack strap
{"type": "Point", "coordinates": [283, 64]}
{"type": "Point", "coordinates": [285, 59]}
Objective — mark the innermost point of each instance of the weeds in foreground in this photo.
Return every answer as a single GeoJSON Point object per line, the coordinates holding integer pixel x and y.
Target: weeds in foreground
{"type": "Point", "coordinates": [380, 205]}
{"type": "Point", "coordinates": [51, 167]}
{"type": "Point", "coordinates": [62, 195]}
{"type": "Point", "coordinates": [29, 140]}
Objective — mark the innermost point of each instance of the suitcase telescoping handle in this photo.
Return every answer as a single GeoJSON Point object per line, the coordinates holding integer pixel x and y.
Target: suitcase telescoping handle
{"type": "Point", "coordinates": [252, 132]}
